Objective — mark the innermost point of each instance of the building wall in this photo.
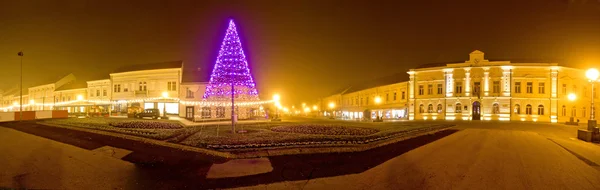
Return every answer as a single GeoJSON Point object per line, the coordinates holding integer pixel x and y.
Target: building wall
{"type": "Point", "coordinates": [146, 87]}
{"type": "Point", "coordinates": [503, 91]}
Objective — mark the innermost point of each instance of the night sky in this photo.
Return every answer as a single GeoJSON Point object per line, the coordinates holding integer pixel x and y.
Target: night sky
{"type": "Point", "coordinates": [300, 49]}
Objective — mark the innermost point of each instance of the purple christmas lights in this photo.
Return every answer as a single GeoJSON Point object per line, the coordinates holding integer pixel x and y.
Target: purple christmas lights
{"type": "Point", "coordinates": [231, 67]}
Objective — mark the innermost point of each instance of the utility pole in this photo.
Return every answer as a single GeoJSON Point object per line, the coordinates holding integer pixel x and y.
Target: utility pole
{"type": "Point", "coordinates": [21, 88]}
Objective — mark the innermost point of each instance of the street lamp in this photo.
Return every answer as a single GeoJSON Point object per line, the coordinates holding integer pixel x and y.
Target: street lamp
{"type": "Point", "coordinates": [377, 101]}
{"type": "Point", "coordinates": [572, 97]}
{"type": "Point", "coordinates": [315, 108]}
{"type": "Point", "coordinates": [165, 95]}
{"type": "Point", "coordinates": [592, 74]}
{"type": "Point", "coordinates": [331, 106]}
{"type": "Point", "coordinates": [276, 99]}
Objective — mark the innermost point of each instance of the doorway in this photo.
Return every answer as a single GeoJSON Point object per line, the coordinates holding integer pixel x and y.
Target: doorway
{"type": "Point", "coordinates": [189, 113]}
{"type": "Point", "coordinates": [476, 111]}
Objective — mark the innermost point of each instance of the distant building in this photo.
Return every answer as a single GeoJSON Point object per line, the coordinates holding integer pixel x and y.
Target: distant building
{"type": "Point", "coordinates": [477, 89]}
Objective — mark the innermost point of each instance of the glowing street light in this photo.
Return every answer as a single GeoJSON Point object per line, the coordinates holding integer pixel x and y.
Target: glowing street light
{"type": "Point", "coordinates": [306, 110]}
{"type": "Point", "coordinates": [276, 97]}
{"type": "Point", "coordinates": [377, 100]}
{"type": "Point", "coordinates": [165, 94]}
{"type": "Point", "coordinates": [31, 101]}
{"type": "Point", "coordinates": [303, 104]}
{"type": "Point", "coordinates": [331, 105]}
{"type": "Point", "coordinates": [79, 97]}
{"type": "Point", "coordinates": [592, 74]}
{"type": "Point", "coordinates": [572, 97]}
{"type": "Point", "coordinates": [315, 108]}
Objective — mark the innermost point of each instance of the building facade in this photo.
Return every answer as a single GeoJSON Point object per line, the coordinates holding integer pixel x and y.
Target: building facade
{"type": "Point", "coordinates": [477, 89]}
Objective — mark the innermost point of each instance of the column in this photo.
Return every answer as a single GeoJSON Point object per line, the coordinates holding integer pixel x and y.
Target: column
{"type": "Point", "coordinates": [411, 95]}
{"type": "Point", "coordinates": [449, 82]}
{"type": "Point", "coordinates": [506, 70]}
{"type": "Point", "coordinates": [554, 91]}
{"type": "Point", "coordinates": [467, 81]}
{"type": "Point", "coordinates": [486, 81]}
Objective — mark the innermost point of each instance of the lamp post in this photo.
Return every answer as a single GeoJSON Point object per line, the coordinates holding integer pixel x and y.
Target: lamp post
{"type": "Point", "coordinates": [276, 99]}
{"type": "Point", "coordinates": [165, 95]}
{"type": "Point", "coordinates": [592, 75]}
{"type": "Point", "coordinates": [377, 102]}
{"type": "Point", "coordinates": [331, 106]}
{"type": "Point", "coordinates": [572, 97]}
{"type": "Point", "coordinates": [21, 88]}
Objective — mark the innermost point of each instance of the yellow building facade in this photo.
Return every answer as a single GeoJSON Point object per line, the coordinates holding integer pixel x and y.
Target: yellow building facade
{"type": "Point", "coordinates": [477, 89]}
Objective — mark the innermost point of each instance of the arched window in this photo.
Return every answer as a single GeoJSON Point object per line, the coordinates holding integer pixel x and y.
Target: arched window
{"type": "Point", "coordinates": [430, 108]}
{"type": "Point", "coordinates": [458, 108]}
{"type": "Point", "coordinates": [517, 109]}
{"type": "Point", "coordinates": [540, 110]}
{"type": "Point", "coordinates": [528, 109]}
{"type": "Point", "coordinates": [574, 111]}
{"type": "Point", "coordinates": [495, 108]}
{"type": "Point", "coordinates": [421, 110]}
{"type": "Point", "coordinates": [583, 112]}
{"type": "Point", "coordinates": [564, 110]}
{"type": "Point", "coordinates": [439, 108]}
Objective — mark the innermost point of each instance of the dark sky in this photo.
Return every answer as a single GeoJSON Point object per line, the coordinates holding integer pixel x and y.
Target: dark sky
{"type": "Point", "coordinates": [301, 49]}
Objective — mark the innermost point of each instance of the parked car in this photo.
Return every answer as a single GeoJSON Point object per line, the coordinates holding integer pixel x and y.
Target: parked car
{"type": "Point", "coordinates": [153, 113]}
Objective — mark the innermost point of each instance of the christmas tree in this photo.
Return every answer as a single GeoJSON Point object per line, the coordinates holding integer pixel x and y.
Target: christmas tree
{"type": "Point", "coordinates": [230, 69]}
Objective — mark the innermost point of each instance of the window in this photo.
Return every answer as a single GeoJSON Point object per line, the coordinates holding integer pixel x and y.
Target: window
{"type": "Point", "coordinates": [172, 86]}
{"type": "Point", "coordinates": [430, 89]}
{"type": "Point", "coordinates": [439, 108]}
{"type": "Point", "coordinates": [495, 108]}
{"type": "Point", "coordinates": [367, 101]}
{"type": "Point", "coordinates": [189, 93]}
{"type": "Point", "coordinates": [421, 108]}
{"type": "Point", "coordinates": [206, 112]}
{"type": "Point", "coordinates": [458, 108]}
{"type": "Point", "coordinates": [496, 87]}
{"type": "Point", "coordinates": [142, 86]}
{"type": "Point", "coordinates": [439, 89]}
{"type": "Point", "coordinates": [125, 90]}
{"type": "Point", "coordinates": [541, 88]}
{"type": "Point", "coordinates": [528, 109]}
{"type": "Point", "coordinates": [104, 92]}
{"type": "Point", "coordinates": [583, 112]}
{"type": "Point", "coordinates": [403, 95]}
{"type": "Point", "coordinates": [97, 92]}
{"type": "Point", "coordinates": [458, 87]}
{"type": "Point", "coordinates": [574, 111]}
{"type": "Point", "coordinates": [220, 112]}
{"type": "Point", "coordinates": [517, 87]}
{"type": "Point", "coordinates": [387, 97]}
{"type": "Point", "coordinates": [517, 109]}
{"type": "Point", "coordinates": [430, 108]}
{"type": "Point", "coordinates": [529, 87]}
{"type": "Point", "coordinates": [395, 96]}
{"type": "Point", "coordinates": [421, 90]}
{"type": "Point", "coordinates": [540, 110]}
{"type": "Point", "coordinates": [117, 88]}
{"type": "Point", "coordinates": [564, 110]}
{"type": "Point", "coordinates": [564, 89]}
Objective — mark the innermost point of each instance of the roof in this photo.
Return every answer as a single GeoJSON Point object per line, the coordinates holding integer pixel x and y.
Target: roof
{"type": "Point", "coordinates": [150, 66]}
{"type": "Point", "coordinates": [73, 85]}
{"type": "Point", "coordinates": [195, 73]}
{"type": "Point", "coordinates": [390, 79]}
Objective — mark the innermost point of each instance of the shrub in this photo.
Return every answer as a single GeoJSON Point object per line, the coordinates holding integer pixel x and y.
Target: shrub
{"type": "Point", "coordinates": [325, 130]}
{"type": "Point", "coordinates": [145, 125]}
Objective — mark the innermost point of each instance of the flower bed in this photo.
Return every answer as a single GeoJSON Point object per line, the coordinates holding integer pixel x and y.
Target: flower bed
{"type": "Point", "coordinates": [325, 130]}
{"type": "Point", "coordinates": [159, 132]}
{"type": "Point", "coordinates": [145, 125]}
{"type": "Point", "coordinates": [327, 140]}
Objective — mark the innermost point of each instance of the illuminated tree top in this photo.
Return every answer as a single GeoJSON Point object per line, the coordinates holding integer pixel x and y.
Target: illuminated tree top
{"type": "Point", "coordinates": [231, 68]}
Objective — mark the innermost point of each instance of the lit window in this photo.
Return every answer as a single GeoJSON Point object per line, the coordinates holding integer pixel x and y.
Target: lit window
{"type": "Point", "coordinates": [542, 88]}
{"type": "Point", "coordinates": [458, 108]}
{"type": "Point", "coordinates": [496, 87]}
{"type": "Point", "coordinates": [421, 108]}
{"type": "Point", "coordinates": [564, 110]}
{"type": "Point", "coordinates": [430, 108]}
{"type": "Point", "coordinates": [517, 109]}
{"type": "Point", "coordinates": [529, 87]}
{"type": "Point", "coordinates": [458, 87]}
{"type": "Point", "coordinates": [540, 110]}
{"type": "Point", "coordinates": [430, 89]}
{"type": "Point", "coordinates": [439, 108]}
{"type": "Point", "coordinates": [439, 89]}
{"type": "Point", "coordinates": [574, 111]}
{"type": "Point", "coordinates": [495, 108]}
{"type": "Point", "coordinates": [421, 90]}
{"type": "Point", "coordinates": [517, 87]}
{"type": "Point", "coordinates": [528, 109]}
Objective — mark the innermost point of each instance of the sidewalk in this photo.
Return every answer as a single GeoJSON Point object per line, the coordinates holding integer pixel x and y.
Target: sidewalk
{"type": "Point", "coordinates": [29, 161]}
